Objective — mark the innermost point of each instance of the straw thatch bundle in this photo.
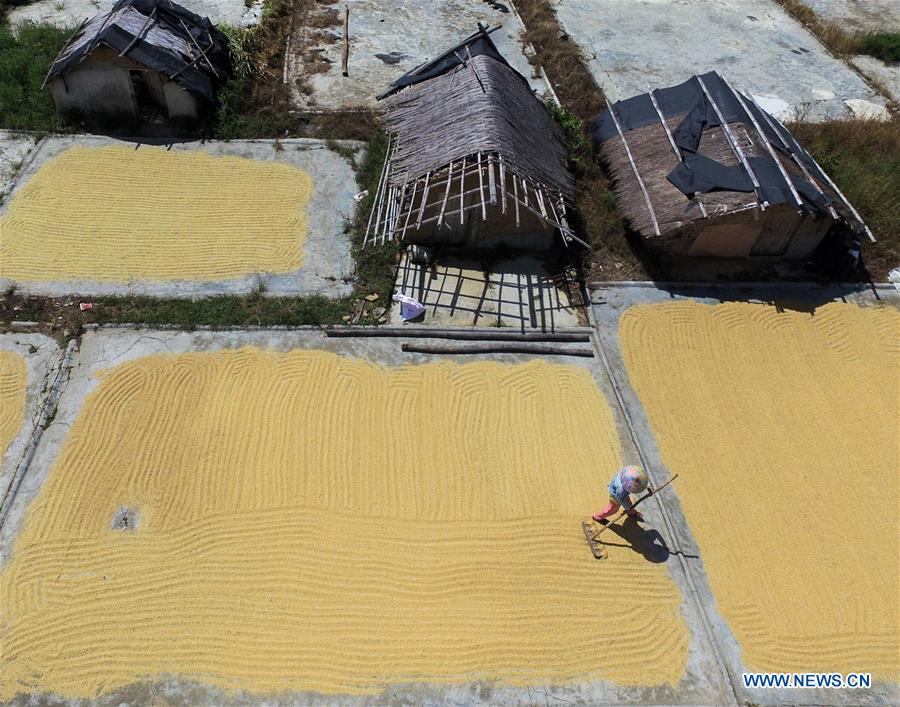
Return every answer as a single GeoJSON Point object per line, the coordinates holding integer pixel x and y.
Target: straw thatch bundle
{"type": "Point", "coordinates": [482, 106]}
{"type": "Point", "coordinates": [652, 152]}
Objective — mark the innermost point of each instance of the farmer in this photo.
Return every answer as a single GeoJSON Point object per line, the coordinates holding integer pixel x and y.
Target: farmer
{"type": "Point", "coordinates": [629, 480]}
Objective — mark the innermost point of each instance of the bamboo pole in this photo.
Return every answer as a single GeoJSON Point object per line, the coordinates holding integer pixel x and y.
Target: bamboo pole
{"type": "Point", "coordinates": [735, 147]}
{"type": "Point", "coordinates": [446, 195]}
{"type": "Point", "coordinates": [502, 184]}
{"type": "Point", "coordinates": [790, 151]}
{"type": "Point", "coordinates": [634, 169]}
{"type": "Point", "coordinates": [345, 54]}
{"type": "Point", "coordinates": [412, 200]}
{"type": "Point", "coordinates": [462, 191]}
{"type": "Point", "coordinates": [481, 189]}
{"type": "Point", "coordinates": [516, 196]}
{"type": "Point", "coordinates": [424, 199]}
{"type": "Point", "coordinates": [768, 145]}
{"type": "Point", "coordinates": [491, 179]}
{"type": "Point", "coordinates": [376, 204]}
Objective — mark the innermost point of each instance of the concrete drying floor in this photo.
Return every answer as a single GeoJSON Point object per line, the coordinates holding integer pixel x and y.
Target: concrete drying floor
{"type": "Point", "coordinates": [642, 590]}
{"type": "Point", "coordinates": [866, 16]}
{"type": "Point", "coordinates": [767, 507]}
{"type": "Point", "coordinates": [327, 263]}
{"type": "Point", "coordinates": [41, 357]}
{"type": "Point", "coordinates": [859, 15]}
{"type": "Point", "coordinates": [517, 293]}
{"type": "Point", "coordinates": [66, 13]}
{"type": "Point", "coordinates": [14, 149]}
{"type": "Point", "coordinates": [656, 43]}
{"type": "Point", "coordinates": [389, 39]}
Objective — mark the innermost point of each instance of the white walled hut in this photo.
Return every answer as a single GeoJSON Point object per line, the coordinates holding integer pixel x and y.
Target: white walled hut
{"type": "Point", "coordinates": [474, 158]}
{"type": "Point", "coordinates": [700, 169]}
{"type": "Point", "coordinates": [143, 61]}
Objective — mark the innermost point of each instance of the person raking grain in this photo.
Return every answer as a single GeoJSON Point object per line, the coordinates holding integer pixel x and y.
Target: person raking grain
{"type": "Point", "coordinates": [628, 480]}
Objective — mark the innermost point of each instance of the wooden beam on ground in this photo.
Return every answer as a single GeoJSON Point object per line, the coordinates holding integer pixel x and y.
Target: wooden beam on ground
{"type": "Point", "coordinates": [458, 335]}
{"type": "Point", "coordinates": [498, 348]}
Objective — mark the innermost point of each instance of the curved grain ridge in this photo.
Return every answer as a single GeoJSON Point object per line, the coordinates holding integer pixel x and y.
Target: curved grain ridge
{"type": "Point", "coordinates": [116, 214]}
{"type": "Point", "coordinates": [13, 385]}
{"type": "Point", "coordinates": [314, 522]}
{"type": "Point", "coordinates": [783, 426]}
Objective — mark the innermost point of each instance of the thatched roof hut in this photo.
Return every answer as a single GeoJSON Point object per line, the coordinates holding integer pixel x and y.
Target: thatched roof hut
{"type": "Point", "coordinates": [702, 169]}
{"type": "Point", "coordinates": [142, 60]}
{"type": "Point", "coordinates": [474, 155]}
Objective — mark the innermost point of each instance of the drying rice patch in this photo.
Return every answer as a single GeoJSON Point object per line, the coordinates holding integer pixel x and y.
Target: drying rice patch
{"type": "Point", "coordinates": [118, 214]}
{"type": "Point", "coordinates": [13, 381]}
{"type": "Point", "coordinates": [784, 428]}
{"type": "Point", "coordinates": [307, 521]}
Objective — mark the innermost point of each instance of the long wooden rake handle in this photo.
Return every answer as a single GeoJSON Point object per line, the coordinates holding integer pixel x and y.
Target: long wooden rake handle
{"type": "Point", "coordinates": [647, 495]}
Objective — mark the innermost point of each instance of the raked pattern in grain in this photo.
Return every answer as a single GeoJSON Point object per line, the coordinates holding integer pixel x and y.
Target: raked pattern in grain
{"type": "Point", "coordinates": [120, 214]}
{"type": "Point", "coordinates": [307, 521]}
{"type": "Point", "coordinates": [785, 428]}
{"type": "Point", "coordinates": [13, 381]}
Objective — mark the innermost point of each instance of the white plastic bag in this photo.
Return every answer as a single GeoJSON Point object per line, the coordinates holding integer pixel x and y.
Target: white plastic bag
{"type": "Point", "coordinates": [409, 308]}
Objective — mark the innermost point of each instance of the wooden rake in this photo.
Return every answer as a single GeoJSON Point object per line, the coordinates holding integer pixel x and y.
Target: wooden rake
{"type": "Point", "coordinates": [597, 550]}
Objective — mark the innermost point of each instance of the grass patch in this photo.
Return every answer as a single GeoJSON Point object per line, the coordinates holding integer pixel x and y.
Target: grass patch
{"type": "Point", "coordinates": [25, 58]}
{"type": "Point", "coordinates": [863, 159]}
{"type": "Point", "coordinates": [253, 102]}
{"type": "Point", "coordinates": [881, 45]}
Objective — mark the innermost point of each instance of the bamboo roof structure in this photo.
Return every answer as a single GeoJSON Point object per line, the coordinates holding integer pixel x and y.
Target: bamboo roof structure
{"type": "Point", "coordinates": [702, 150]}
{"type": "Point", "coordinates": [468, 125]}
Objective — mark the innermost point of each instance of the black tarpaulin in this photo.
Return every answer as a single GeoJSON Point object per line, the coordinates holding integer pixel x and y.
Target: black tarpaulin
{"type": "Point", "coordinates": [478, 44]}
{"type": "Point", "coordinates": [697, 173]}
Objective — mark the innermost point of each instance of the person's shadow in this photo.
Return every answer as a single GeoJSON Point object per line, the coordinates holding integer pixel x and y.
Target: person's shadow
{"type": "Point", "coordinates": [644, 541]}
